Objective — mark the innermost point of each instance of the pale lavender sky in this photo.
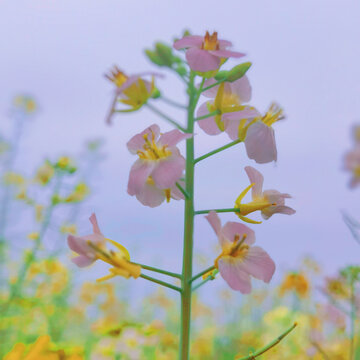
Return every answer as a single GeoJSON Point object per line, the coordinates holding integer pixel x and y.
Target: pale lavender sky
{"type": "Point", "coordinates": [305, 55]}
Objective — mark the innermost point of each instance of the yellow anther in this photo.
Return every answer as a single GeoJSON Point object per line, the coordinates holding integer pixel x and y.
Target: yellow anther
{"type": "Point", "coordinates": [210, 41]}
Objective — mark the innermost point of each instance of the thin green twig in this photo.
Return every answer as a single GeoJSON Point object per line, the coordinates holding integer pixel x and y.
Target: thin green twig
{"type": "Point", "coordinates": [210, 114]}
{"type": "Point", "coordinates": [213, 152]}
{"type": "Point", "coordinates": [160, 271]}
{"type": "Point", "coordinates": [199, 212]}
{"type": "Point", "coordinates": [165, 117]}
{"type": "Point", "coordinates": [267, 347]}
{"type": "Point", "coordinates": [163, 283]}
{"type": "Point", "coordinates": [202, 273]}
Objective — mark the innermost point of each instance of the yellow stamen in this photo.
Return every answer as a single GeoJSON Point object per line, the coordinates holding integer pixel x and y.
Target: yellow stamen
{"type": "Point", "coordinates": [117, 76]}
{"type": "Point", "coordinates": [210, 41]}
{"type": "Point", "coordinates": [151, 151]}
{"type": "Point", "coordinates": [275, 113]}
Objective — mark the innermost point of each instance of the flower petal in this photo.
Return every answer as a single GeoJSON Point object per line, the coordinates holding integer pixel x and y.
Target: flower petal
{"type": "Point", "coordinates": [278, 209]}
{"type": "Point", "coordinates": [230, 229]}
{"type": "Point", "coordinates": [259, 264]}
{"type": "Point", "coordinates": [173, 137]}
{"type": "Point", "coordinates": [136, 142]}
{"type": "Point", "coordinates": [150, 195]}
{"type": "Point", "coordinates": [214, 220]}
{"type": "Point", "coordinates": [208, 125]}
{"type": "Point", "coordinates": [211, 93]}
{"type": "Point", "coordinates": [95, 224]}
{"type": "Point", "coordinates": [236, 278]}
{"type": "Point", "coordinates": [226, 53]}
{"type": "Point", "coordinates": [139, 173]}
{"type": "Point", "coordinates": [82, 261]}
{"type": "Point", "coordinates": [242, 89]}
{"type": "Point", "coordinates": [188, 41]}
{"type": "Point", "coordinates": [256, 178]}
{"type": "Point", "coordinates": [169, 171]}
{"type": "Point", "coordinates": [202, 60]}
{"type": "Point", "coordinates": [224, 44]}
{"type": "Point", "coordinates": [260, 143]}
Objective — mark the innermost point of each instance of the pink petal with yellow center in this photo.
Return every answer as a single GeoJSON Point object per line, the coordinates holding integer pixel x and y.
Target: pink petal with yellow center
{"type": "Point", "coordinates": [139, 173]}
{"type": "Point", "coordinates": [134, 78]}
{"type": "Point", "coordinates": [202, 60]}
{"type": "Point", "coordinates": [260, 143]}
{"type": "Point", "coordinates": [173, 137]}
{"type": "Point", "coordinates": [137, 142]}
{"type": "Point", "coordinates": [168, 171]}
{"type": "Point", "coordinates": [231, 271]}
{"type": "Point", "coordinates": [188, 42]}
{"type": "Point", "coordinates": [226, 53]}
{"type": "Point", "coordinates": [256, 178]}
{"type": "Point", "coordinates": [214, 220]}
{"type": "Point", "coordinates": [259, 264]}
{"type": "Point", "coordinates": [232, 229]}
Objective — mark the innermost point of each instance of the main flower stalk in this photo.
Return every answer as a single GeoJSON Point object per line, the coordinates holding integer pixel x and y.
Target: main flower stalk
{"type": "Point", "coordinates": [188, 228]}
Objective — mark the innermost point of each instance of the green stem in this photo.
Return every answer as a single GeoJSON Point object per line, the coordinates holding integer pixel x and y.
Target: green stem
{"type": "Point", "coordinates": [352, 319]}
{"type": "Point", "coordinates": [210, 114]}
{"type": "Point", "coordinates": [213, 85]}
{"type": "Point", "coordinates": [268, 346]}
{"type": "Point", "coordinates": [199, 212]}
{"type": "Point", "coordinates": [163, 283]}
{"type": "Point", "coordinates": [205, 281]}
{"type": "Point", "coordinates": [182, 190]}
{"type": "Point", "coordinates": [15, 289]}
{"type": "Point", "coordinates": [160, 271]}
{"type": "Point", "coordinates": [227, 146]}
{"type": "Point", "coordinates": [184, 351]}
{"type": "Point", "coordinates": [202, 273]}
{"type": "Point", "coordinates": [172, 102]}
{"type": "Point", "coordinates": [164, 116]}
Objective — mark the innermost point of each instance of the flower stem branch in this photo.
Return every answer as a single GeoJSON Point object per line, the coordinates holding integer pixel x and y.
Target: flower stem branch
{"type": "Point", "coordinates": [172, 102]}
{"type": "Point", "coordinates": [213, 85]}
{"type": "Point", "coordinates": [202, 273]}
{"type": "Point", "coordinates": [160, 271]}
{"type": "Point", "coordinates": [269, 346]}
{"type": "Point", "coordinates": [163, 283]}
{"type": "Point", "coordinates": [199, 212]}
{"type": "Point", "coordinates": [166, 117]}
{"type": "Point", "coordinates": [213, 152]}
{"type": "Point", "coordinates": [213, 113]}
{"type": "Point", "coordinates": [182, 190]}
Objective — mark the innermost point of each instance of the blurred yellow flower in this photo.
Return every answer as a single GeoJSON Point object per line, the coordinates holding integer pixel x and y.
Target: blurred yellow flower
{"type": "Point", "coordinates": [44, 174]}
{"type": "Point", "coordinates": [295, 282]}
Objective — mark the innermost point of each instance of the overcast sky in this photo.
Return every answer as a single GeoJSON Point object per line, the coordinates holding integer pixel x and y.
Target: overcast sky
{"type": "Point", "coordinates": [305, 56]}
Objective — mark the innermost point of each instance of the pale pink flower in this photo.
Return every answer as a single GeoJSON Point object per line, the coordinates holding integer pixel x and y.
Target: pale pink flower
{"type": "Point", "coordinates": [233, 117]}
{"type": "Point", "coordinates": [238, 259]}
{"type": "Point", "coordinates": [133, 91]}
{"type": "Point", "coordinates": [269, 202]}
{"type": "Point", "coordinates": [260, 137]}
{"type": "Point", "coordinates": [159, 159]}
{"type": "Point", "coordinates": [206, 53]}
{"type": "Point", "coordinates": [80, 244]}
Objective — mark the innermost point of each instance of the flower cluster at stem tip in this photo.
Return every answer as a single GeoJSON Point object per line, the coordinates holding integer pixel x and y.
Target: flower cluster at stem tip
{"type": "Point", "coordinates": [159, 173]}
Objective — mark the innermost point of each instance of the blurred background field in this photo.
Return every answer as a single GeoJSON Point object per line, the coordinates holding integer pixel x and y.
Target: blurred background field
{"type": "Point", "coordinates": [60, 162]}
